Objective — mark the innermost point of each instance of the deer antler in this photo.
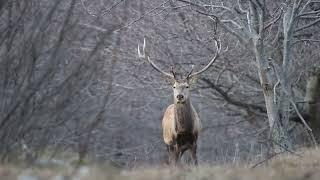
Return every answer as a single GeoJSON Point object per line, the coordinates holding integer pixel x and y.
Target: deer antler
{"type": "Point", "coordinates": [191, 71]}
{"type": "Point", "coordinates": [218, 46]}
{"type": "Point", "coordinates": [146, 56]}
{"type": "Point", "coordinates": [173, 73]}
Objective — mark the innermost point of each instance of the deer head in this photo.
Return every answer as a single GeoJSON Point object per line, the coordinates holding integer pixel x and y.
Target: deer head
{"type": "Point", "coordinates": [180, 86]}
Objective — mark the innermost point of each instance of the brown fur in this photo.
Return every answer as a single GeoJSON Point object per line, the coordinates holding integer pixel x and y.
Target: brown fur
{"type": "Point", "coordinates": [183, 118]}
{"type": "Point", "coordinates": [181, 126]}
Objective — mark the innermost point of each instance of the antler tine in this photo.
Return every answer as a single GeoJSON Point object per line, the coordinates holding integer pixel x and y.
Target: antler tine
{"type": "Point", "coordinates": [173, 73]}
{"type": "Point", "coordinates": [218, 45]}
{"type": "Point", "coordinates": [143, 49]}
{"type": "Point", "coordinates": [188, 75]}
{"type": "Point", "coordinates": [146, 56]}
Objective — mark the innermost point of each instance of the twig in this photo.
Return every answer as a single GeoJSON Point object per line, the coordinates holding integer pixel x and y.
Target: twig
{"type": "Point", "coordinates": [142, 16]}
{"type": "Point", "coordinates": [300, 116]}
{"type": "Point", "coordinates": [111, 7]}
{"type": "Point", "coordinates": [286, 149]}
{"type": "Point", "coordinates": [266, 159]}
{"type": "Point", "coordinates": [275, 92]}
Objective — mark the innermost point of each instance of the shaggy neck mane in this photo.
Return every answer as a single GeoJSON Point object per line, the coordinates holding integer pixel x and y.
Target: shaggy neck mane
{"type": "Point", "coordinates": [183, 117]}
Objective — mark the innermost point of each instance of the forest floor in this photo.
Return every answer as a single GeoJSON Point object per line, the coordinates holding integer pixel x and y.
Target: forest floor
{"type": "Point", "coordinates": [303, 165]}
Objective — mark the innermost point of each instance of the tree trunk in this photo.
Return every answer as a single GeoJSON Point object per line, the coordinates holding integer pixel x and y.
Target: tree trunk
{"type": "Point", "coordinates": [278, 134]}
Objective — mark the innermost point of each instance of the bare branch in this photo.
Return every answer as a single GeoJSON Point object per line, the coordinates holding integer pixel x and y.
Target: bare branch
{"type": "Point", "coordinates": [309, 17]}
{"type": "Point", "coordinates": [275, 92]}
{"type": "Point", "coordinates": [241, 8]}
{"type": "Point", "coordinates": [231, 22]}
{"type": "Point", "coordinates": [87, 9]}
{"type": "Point", "coordinates": [300, 116]}
{"type": "Point", "coordinates": [266, 159]}
{"type": "Point", "coordinates": [215, 18]}
{"type": "Point", "coordinates": [97, 28]}
{"type": "Point", "coordinates": [257, 4]}
{"type": "Point", "coordinates": [307, 40]}
{"type": "Point", "coordinates": [220, 74]}
{"type": "Point", "coordinates": [226, 97]}
{"type": "Point", "coordinates": [308, 25]}
{"type": "Point", "coordinates": [304, 7]}
{"type": "Point", "coordinates": [142, 16]}
{"type": "Point", "coordinates": [112, 7]}
{"type": "Point", "coordinates": [218, 6]}
{"type": "Point", "coordinates": [274, 20]}
{"type": "Point", "coordinates": [309, 13]}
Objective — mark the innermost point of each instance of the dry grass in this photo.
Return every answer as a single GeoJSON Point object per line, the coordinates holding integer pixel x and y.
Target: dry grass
{"type": "Point", "coordinates": [283, 167]}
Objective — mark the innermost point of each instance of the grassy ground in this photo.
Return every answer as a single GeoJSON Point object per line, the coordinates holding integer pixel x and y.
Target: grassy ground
{"type": "Point", "coordinates": [284, 167]}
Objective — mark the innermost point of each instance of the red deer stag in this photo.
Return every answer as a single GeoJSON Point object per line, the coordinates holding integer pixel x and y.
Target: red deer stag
{"type": "Point", "coordinates": [180, 124]}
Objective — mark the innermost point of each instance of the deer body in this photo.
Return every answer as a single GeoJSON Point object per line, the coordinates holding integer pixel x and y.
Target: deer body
{"type": "Point", "coordinates": [181, 124]}
{"type": "Point", "coordinates": [170, 123]}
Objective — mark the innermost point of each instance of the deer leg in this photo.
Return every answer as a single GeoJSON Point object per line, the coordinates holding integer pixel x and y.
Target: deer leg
{"type": "Point", "coordinates": [177, 151]}
{"type": "Point", "coordinates": [183, 149]}
{"type": "Point", "coordinates": [171, 151]}
{"type": "Point", "coordinates": [194, 153]}
{"type": "Point", "coordinates": [174, 152]}
{"type": "Point", "coordinates": [169, 154]}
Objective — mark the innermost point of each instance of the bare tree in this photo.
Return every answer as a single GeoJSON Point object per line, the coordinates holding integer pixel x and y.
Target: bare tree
{"type": "Point", "coordinates": [252, 23]}
{"type": "Point", "coordinates": [43, 75]}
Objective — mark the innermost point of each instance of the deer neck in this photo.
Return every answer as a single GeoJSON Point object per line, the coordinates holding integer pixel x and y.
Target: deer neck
{"type": "Point", "coordinates": [183, 117]}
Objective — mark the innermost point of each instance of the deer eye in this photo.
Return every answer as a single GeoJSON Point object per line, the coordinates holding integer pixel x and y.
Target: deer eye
{"type": "Point", "coordinates": [174, 87]}
{"type": "Point", "coordinates": [187, 86]}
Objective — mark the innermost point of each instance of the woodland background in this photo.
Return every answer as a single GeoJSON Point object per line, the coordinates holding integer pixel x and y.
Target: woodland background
{"type": "Point", "coordinates": [71, 79]}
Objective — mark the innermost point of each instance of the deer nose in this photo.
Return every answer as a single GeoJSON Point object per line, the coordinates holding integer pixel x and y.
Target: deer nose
{"type": "Point", "coordinates": [180, 97]}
